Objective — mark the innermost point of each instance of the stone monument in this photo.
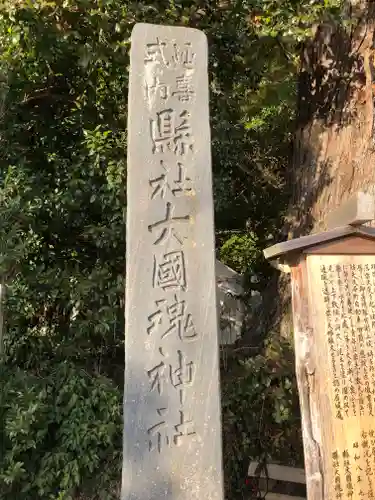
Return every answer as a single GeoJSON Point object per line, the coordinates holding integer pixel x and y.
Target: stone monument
{"type": "Point", "coordinates": [333, 295]}
{"type": "Point", "coordinates": [172, 424]}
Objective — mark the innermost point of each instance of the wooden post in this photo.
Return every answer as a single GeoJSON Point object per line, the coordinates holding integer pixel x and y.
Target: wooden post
{"type": "Point", "coordinates": [333, 295]}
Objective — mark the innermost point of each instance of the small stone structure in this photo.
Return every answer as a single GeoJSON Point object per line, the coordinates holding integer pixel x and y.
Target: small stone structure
{"type": "Point", "coordinates": [230, 304]}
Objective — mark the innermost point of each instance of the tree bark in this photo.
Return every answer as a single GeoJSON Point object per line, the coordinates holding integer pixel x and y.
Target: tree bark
{"type": "Point", "coordinates": [334, 149]}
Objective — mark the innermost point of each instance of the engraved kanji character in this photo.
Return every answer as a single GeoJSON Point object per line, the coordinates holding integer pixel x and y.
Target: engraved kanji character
{"type": "Point", "coordinates": [156, 375]}
{"type": "Point", "coordinates": [161, 431]}
{"type": "Point", "coordinates": [162, 184]}
{"type": "Point", "coordinates": [163, 129]}
{"type": "Point", "coordinates": [180, 375]}
{"type": "Point", "coordinates": [184, 57]}
{"type": "Point", "coordinates": [184, 90]}
{"type": "Point", "coordinates": [182, 181]}
{"type": "Point", "coordinates": [174, 317]}
{"type": "Point", "coordinates": [180, 320]}
{"type": "Point", "coordinates": [167, 434]}
{"type": "Point", "coordinates": [175, 57]}
{"type": "Point", "coordinates": [169, 271]}
{"type": "Point", "coordinates": [155, 88]}
{"type": "Point", "coordinates": [183, 375]}
{"type": "Point", "coordinates": [156, 318]}
{"type": "Point", "coordinates": [166, 225]}
{"type": "Point", "coordinates": [165, 132]}
{"type": "Point", "coordinates": [184, 428]}
{"type": "Point", "coordinates": [156, 53]}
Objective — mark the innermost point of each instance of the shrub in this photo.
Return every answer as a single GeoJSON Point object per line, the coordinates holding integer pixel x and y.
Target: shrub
{"type": "Point", "coordinates": [57, 430]}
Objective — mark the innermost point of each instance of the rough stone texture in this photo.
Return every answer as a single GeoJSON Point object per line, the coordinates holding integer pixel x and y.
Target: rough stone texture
{"type": "Point", "coordinates": [230, 303]}
{"type": "Point", "coordinates": [357, 210]}
{"type": "Point", "coordinates": [172, 428]}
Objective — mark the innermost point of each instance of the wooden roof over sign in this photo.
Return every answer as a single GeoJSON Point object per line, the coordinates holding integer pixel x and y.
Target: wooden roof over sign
{"type": "Point", "coordinates": [344, 222]}
{"type": "Point", "coordinates": [300, 244]}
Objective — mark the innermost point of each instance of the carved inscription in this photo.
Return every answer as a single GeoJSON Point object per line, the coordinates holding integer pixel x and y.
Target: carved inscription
{"type": "Point", "coordinates": [166, 227]}
{"type": "Point", "coordinates": [172, 429]}
{"type": "Point", "coordinates": [171, 131]}
{"type": "Point", "coordinates": [184, 89]}
{"type": "Point", "coordinates": [349, 298]}
{"type": "Point", "coordinates": [165, 183]}
{"type": "Point", "coordinates": [168, 54]}
{"type": "Point", "coordinates": [172, 317]}
{"type": "Point", "coordinates": [178, 375]}
{"type": "Point", "coordinates": [169, 434]}
{"type": "Point", "coordinates": [169, 72]}
{"type": "Point", "coordinates": [169, 90]}
{"type": "Point", "coordinates": [169, 271]}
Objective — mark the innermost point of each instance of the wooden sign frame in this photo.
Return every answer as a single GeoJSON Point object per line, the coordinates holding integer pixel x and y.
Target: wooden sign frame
{"type": "Point", "coordinates": [333, 301]}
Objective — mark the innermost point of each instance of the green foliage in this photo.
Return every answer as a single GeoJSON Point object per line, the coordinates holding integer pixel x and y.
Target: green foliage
{"type": "Point", "coordinates": [293, 20]}
{"type": "Point", "coordinates": [63, 92]}
{"type": "Point", "coordinates": [62, 248]}
{"type": "Point", "coordinates": [260, 414]}
{"type": "Point", "coordinates": [57, 429]}
{"type": "Point", "coordinates": [240, 252]}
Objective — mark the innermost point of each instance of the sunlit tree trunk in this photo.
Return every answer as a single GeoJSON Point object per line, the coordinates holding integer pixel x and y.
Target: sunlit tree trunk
{"type": "Point", "coordinates": [335, 143]}
{"type": "Point", "coordinates": [334, 148]}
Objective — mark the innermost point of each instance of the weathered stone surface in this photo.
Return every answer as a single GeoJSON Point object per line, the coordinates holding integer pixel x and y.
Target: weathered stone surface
{"type": "Point", "coordinates": [172, 429]}
{"type": "Point", "coordinates": [230, 303]}
{"type": "Point", "coordinates": [357, 210]}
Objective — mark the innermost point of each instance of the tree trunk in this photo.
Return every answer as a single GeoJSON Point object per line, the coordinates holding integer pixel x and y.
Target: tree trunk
{"type": "Point", "coordinates": [334, 148]}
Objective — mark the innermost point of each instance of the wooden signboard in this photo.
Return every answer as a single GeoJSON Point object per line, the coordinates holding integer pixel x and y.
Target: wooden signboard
{"type": "Point", "coordinates": [333, 293]}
